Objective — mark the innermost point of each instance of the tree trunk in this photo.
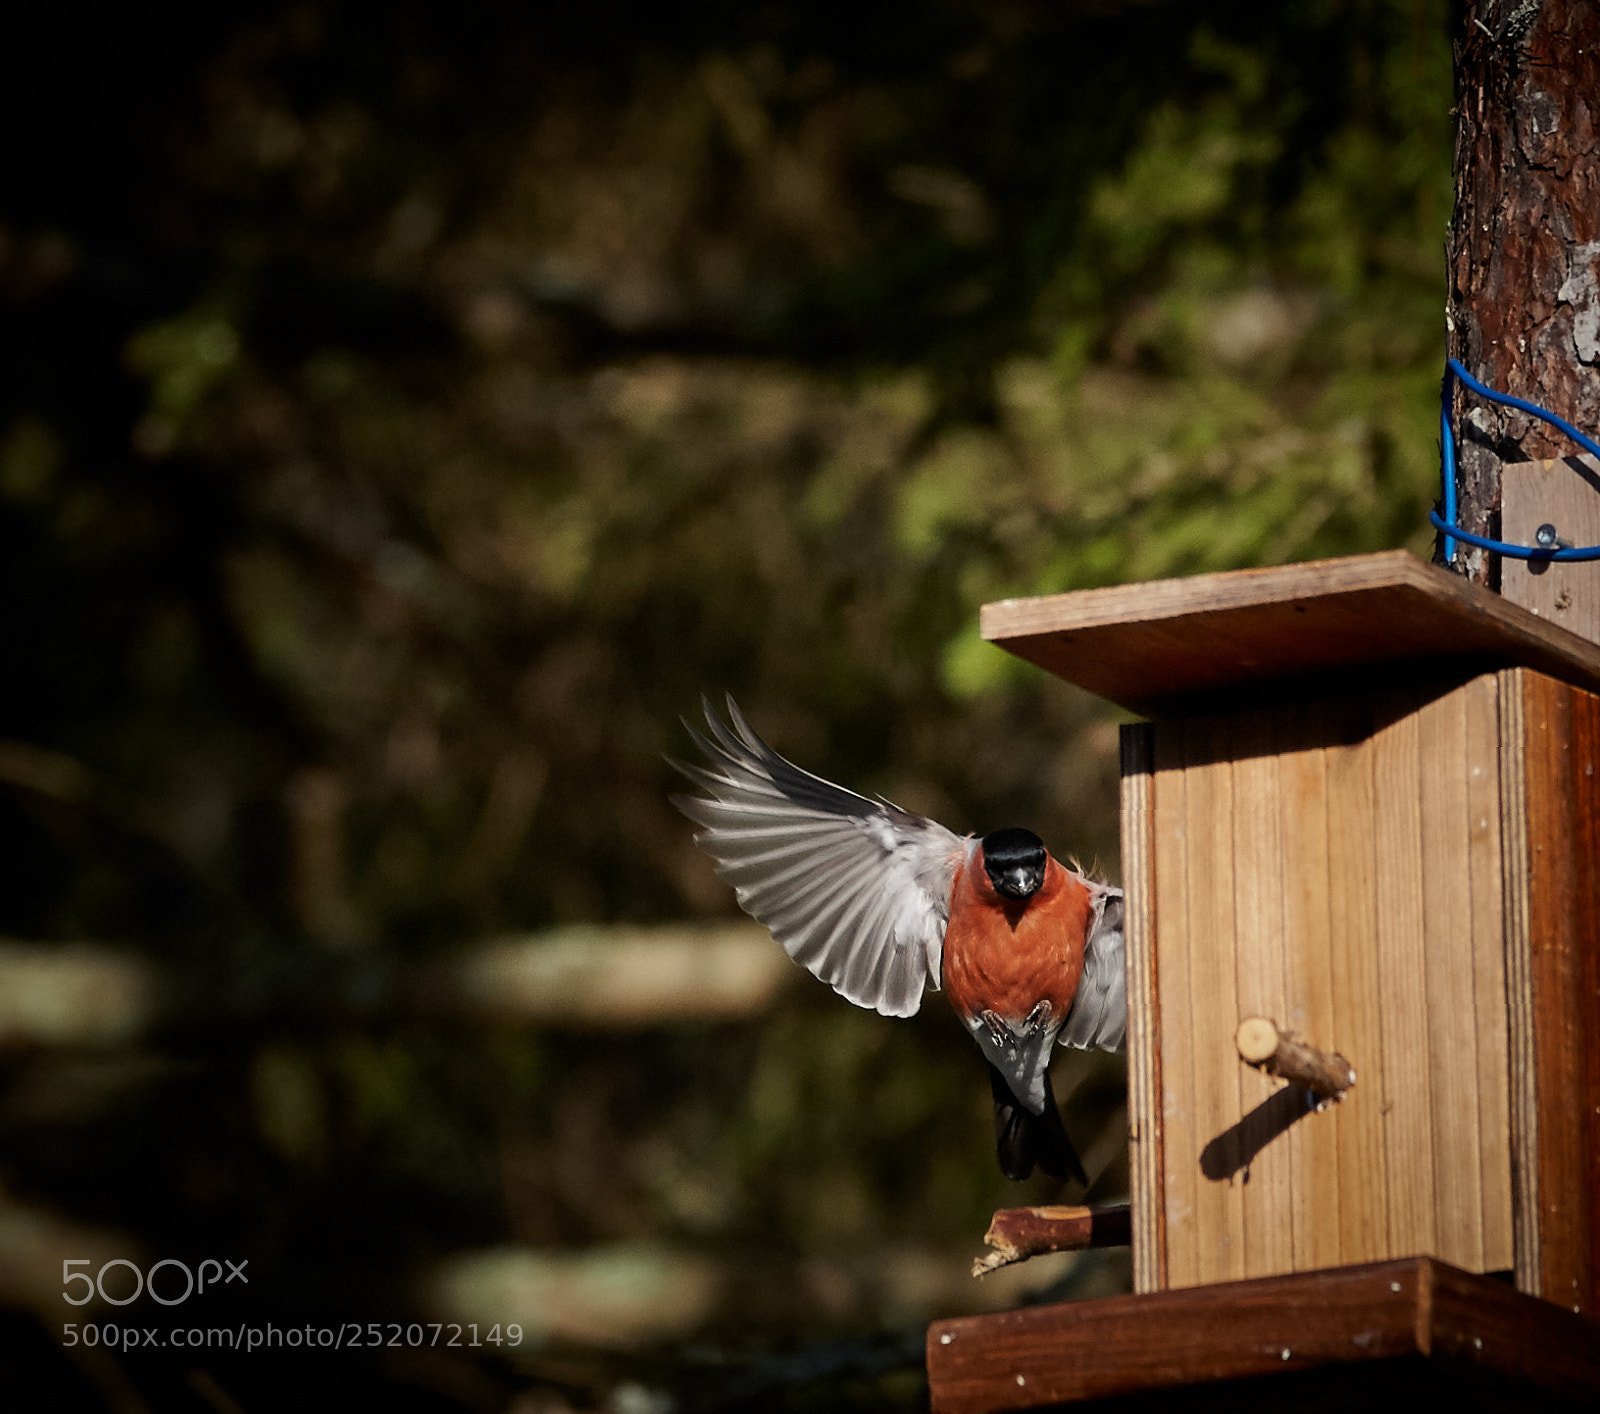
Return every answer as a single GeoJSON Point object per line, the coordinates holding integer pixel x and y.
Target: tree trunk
{"type": "Point", "coordinates": [1524, 243]}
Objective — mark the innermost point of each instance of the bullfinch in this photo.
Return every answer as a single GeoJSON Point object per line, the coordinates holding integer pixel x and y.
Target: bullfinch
{"type": "Point", "coordinates": [882, 904]}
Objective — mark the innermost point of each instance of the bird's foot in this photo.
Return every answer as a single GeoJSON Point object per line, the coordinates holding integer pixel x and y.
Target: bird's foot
{"type": "Point", "coordinates": [1040, 1016]}
{"type": "Point", "coordinates": [1001, 1034]}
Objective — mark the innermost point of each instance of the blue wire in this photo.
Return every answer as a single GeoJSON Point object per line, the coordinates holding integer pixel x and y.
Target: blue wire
{"type": "Point", "coordinates": [1447, 455]}
{"type": "Point", "coordinates": [1513, 552]}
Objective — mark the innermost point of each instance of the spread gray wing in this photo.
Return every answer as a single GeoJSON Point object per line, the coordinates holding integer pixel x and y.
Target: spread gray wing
{"type": "Point", "coordinates": [1099, 1013]}
{"type": "Point", "coordinates": [857, 891]}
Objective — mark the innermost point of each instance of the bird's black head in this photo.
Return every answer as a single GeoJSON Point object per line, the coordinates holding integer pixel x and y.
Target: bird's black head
{"type": "Point", "coordinates": [1014, 861]}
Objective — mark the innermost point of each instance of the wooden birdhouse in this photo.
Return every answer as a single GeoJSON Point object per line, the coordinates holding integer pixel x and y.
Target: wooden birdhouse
{"type": "Point", "coordinates": [1365, 805]}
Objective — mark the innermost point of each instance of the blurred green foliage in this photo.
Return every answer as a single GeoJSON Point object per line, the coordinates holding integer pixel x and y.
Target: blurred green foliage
{"type": "Point", "coordinates": [409, 410]}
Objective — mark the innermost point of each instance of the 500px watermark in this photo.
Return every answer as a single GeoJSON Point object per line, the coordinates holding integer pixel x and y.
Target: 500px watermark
{"type": "Point", "coordinates": [351, 1335]}
{"type": "Point", "coordinates": [210, 1273]}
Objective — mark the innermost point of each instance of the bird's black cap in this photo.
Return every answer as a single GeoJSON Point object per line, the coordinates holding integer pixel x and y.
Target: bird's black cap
{"type": "Point", "coordinates": [1014, 861]}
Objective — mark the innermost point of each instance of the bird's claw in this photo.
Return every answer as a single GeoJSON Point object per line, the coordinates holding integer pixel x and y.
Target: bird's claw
{"type": "Point", "coordinates": [999, 1032]}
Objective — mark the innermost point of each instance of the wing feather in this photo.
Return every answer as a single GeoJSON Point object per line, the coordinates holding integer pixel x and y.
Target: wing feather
{"type": "Point", "coordinates": [1099, 1012]}
{"type": "Point", "coordinates": [857, 891]}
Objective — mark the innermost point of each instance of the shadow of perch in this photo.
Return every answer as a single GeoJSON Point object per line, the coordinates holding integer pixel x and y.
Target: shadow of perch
{"type": "Point", "coordinates": [1235, 1148]}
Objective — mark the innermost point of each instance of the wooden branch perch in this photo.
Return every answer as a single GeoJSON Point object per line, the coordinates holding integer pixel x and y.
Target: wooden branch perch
{"type": "Point", "coordinates": [1019, 1233]}
{"type": "Point", "coordinates": [1278, 1053]}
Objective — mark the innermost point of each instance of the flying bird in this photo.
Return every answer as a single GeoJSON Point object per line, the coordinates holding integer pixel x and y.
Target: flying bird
{"type": "Point", "coordinates": [883, 904]}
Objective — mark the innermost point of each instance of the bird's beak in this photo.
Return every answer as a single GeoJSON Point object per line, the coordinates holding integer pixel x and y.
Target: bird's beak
{"type": "Point", "coordinates": [1018, 883]}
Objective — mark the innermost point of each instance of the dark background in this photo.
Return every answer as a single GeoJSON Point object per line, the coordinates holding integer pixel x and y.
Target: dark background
{"type": "Point", "coordinates": [406, 412]}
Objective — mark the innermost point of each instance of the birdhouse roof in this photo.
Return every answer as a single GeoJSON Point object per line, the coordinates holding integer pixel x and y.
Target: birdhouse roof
{"type": "Point", "coordinates": [1174, 645]}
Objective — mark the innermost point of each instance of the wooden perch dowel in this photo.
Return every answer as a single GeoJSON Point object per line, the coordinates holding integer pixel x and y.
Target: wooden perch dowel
{"type": "Point", "coordinates": [1019, 1233]}
{"type": "Point", "coordinates": [1281, 1054]}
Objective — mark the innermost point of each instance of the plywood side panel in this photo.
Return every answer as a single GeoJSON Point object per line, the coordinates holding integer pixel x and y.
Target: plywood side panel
{"type": "Point", "coordinates": [1258, 960]}
{"type": "Point", "coordinates": [1481, 699]}
{"type": "Point", "coordinates": [1144, 1084]}
{"type": "Point", "coordinates": [1519, 983]}
{"type": "Point", "coordinates": [1562, 755]}
{"type": "Point", "coordinates": [1403, 1010]}
{"type": "Point", "coordinates": [1214, 1007]}
{"type": "Point", "coordinates": [1308, 977]}
{"type": "Point", "coordinates": [1450, 1015]}
{"type": "Point", "coordinates": [1180, 1174]}
{"type": "Point", "coordinates": [1357, 1030]}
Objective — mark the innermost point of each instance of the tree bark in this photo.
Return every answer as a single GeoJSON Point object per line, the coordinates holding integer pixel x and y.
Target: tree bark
{"type": "Point", "coordinates": [1524, 242]}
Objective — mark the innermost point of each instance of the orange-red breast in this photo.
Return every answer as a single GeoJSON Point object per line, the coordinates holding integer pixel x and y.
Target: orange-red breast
{"type": "Point", "coordinates": [882, 904]}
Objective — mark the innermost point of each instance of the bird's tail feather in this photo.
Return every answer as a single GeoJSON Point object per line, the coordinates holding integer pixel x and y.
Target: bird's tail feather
{"type": "Point", "coordinates": [1024, 1139]}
